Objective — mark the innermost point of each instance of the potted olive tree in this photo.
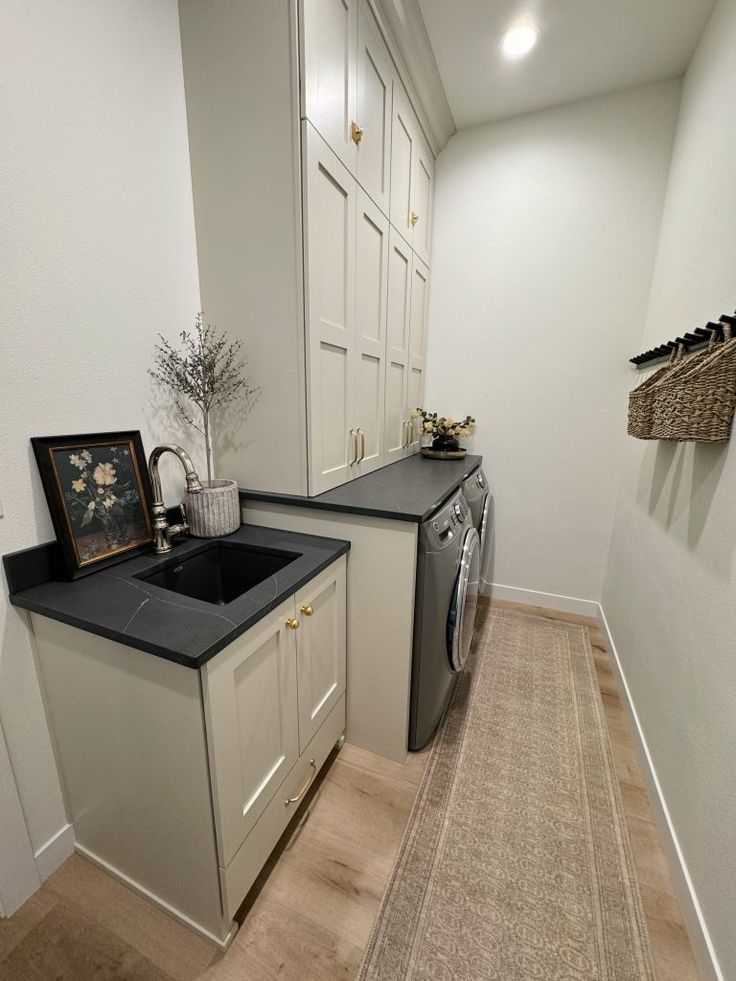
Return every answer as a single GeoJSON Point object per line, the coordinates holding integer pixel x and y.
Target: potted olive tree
{"type": "Point", "coordinates": [205, 375]}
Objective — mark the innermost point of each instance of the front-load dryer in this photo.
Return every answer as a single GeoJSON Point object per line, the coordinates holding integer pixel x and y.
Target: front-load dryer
{"type": "Point", "coordinates": [478, 495]}
{"type": "Point", "coordinates": [448, 573]}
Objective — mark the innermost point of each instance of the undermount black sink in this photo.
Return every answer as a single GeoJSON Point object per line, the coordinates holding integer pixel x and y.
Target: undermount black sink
{"type": "Point", "coordinates": [221, 571]}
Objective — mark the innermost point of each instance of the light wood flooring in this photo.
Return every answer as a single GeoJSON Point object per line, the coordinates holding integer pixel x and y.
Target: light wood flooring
{"type": "Point", "coordinates": [312, 910]}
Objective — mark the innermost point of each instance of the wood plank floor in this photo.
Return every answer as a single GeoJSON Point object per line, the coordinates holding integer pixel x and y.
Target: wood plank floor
{"type": "Point", "coordinates": [312, 910]}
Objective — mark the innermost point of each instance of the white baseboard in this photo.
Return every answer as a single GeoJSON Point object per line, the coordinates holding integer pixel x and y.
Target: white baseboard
{"type": "Point", "coordinates": [55, 852]}
{"type": "Point", "coordinates": [697, 929]}
{"type": "Point", "coordinates": [157, 900]}
{"type": "Point", "coordinates": [552, 601]}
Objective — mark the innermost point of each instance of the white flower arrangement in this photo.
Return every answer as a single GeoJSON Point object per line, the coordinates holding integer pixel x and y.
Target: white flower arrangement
{"type": "Point", "coordinates": [436, 426]}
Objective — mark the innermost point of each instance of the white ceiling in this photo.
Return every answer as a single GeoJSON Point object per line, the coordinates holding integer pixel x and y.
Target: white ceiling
{"type": "Point", "coordinates": [585, 47]}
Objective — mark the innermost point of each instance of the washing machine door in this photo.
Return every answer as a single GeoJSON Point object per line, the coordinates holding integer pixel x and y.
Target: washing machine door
{"type": "Point", "coordinates": [485, 519]}
{"type": "Point", "coordinates": [461, 618]}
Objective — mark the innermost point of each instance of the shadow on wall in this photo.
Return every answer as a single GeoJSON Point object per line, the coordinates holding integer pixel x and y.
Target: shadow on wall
{"type": "Point", "coordinates": [677, 485]}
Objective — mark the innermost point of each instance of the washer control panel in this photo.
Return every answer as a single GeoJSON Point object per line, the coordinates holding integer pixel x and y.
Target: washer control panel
{"type": "Point", "coordinates": [446, 523]}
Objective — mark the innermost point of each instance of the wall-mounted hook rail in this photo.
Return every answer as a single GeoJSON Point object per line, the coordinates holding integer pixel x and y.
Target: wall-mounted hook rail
{"type": "Point", "coordinates": [690, 341]}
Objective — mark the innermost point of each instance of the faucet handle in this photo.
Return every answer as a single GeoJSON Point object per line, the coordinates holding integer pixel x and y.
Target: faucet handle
{"type": "Point", "coordinates": [183, 524]}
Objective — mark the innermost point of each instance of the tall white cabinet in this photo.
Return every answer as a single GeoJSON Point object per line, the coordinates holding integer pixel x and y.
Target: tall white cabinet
{"type": "Point", "coordinates": [363, 180]}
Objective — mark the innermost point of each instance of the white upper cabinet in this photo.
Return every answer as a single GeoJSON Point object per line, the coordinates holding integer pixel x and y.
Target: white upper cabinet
{"type": "Point", "coordinates": [422, 193]}
{"type": "Point", "coordinates": [397, 348]}
{"type": "Point", "coordinates": [373, 117]}
{"type": "Point", "coordinates": [403, 150]}
{"type": "Point", "coordinates": [371, 280]}
{"type": "Point", "coordinates": [417, 346]}
{"type": "Point", "coordinates": [321, 648]}
{"type": "Point", "coordinates": [329, 46]}
{"type": "Point", "coordinates": [251, 710]}
{"type": "Point", "coordinates": [334, 294]}
{"type": "Point", "coordinates": [329, 263]}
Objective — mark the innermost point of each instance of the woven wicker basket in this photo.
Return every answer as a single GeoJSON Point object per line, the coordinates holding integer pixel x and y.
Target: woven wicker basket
{"type": "Point", "coordinates": [215, 511]}
{"type": "Point", "coordinates": [641, 399]}
{"type": "Point", "coordinates": [697, 403]}
{"type": "Point", "coordinates": [659, 394]}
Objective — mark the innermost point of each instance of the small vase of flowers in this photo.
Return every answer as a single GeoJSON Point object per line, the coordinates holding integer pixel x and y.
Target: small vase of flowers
{"type": "Point", "coordinates": [204, 376]}
{"type": "Point", "coordinates": [446, 433]}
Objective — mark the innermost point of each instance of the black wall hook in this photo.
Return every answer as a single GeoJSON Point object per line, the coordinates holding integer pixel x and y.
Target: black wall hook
{"type": "Point", "coordinates": [692, 339]}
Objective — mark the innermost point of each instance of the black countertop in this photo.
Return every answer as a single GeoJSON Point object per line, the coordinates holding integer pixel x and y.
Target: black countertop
{"type": "Point", "coordinates": [116, 604]}
{"type": "Point", "coordinates": [409, 490]}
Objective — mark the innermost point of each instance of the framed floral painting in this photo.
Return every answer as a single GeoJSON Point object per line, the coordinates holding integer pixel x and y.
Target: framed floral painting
{"type": "Point", "coordinates": [99, 496]}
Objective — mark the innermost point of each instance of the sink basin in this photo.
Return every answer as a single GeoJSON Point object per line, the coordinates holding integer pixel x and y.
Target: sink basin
{"type": "Point", "coordinates": [221, 571]}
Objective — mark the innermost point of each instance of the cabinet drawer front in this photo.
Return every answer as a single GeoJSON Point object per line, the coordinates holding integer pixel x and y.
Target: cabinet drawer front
{"type": "Point", "coordinates": [251, 712]}
{"type": "Point", "coordinates": [321, 648]}
{"type": "Point", "coordinates": [240, 874]}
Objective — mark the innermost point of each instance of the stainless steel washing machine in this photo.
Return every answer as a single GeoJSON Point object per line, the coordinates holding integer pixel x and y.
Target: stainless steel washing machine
{"type": "Point", "coordinates": [448, 574]}
{"type": "Point", "coordinates": [478, 495]}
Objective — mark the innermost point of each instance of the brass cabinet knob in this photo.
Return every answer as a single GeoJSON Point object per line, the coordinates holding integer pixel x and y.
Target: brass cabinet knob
{"type": "Point", "coordinates": [292, 624]}
{"type": "Point", "coordinates": [307, 611]}
{"type": "Point", "coordinates": [356, 133]}
{"type": "Point", "coordinates": [413, 218]}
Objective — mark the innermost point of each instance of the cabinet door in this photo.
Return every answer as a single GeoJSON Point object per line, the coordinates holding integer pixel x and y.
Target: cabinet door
{"type": "Point", "coordinates": [417, 341]}
{"type": "Point", "coordinates": [375, 85]}
{"type": "Point", "coordinates": [321, 648]}
{"type": "Point", "coordinates": [403, 149]}
{"type": "Point", "coordinates": [250, 693]}
{"type": "Point", "coordinates": [422, 198]}
{"type": "Point", "coordinates": [371, 250]}
{"type": "Point", "coordinates": [329, 46]}
{"type": "Point", "coordinates": [329, 260]}
{"type": "Point", "coordinates": [397, 347]}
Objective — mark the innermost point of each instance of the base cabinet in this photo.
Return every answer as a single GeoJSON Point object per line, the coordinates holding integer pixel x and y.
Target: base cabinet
{"type": "Point", "coordinates": [265, 698]}
{"type": "Point", "coordinates": [180, 782]}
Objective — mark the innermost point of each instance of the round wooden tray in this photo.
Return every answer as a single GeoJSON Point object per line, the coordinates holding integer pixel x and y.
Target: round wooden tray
{"type": "Point", "coordinates": [443, 454]}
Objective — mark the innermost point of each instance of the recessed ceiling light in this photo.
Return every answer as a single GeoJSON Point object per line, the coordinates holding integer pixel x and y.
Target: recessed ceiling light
{"type": "Point", "coordinates": [519, 41]}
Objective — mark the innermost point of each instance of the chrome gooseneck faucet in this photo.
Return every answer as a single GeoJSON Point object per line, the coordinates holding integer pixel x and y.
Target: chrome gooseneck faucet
{"type": "Point", "coordinates": [161, 527]}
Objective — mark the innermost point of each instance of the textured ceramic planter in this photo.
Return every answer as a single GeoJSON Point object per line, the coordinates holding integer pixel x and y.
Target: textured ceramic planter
{"type": "Point", "coordinates": [215, 511]}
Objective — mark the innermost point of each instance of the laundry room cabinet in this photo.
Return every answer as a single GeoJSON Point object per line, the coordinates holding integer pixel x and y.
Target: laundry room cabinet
{"type": "Point", "coordinates": [180, 779]}
{"type": "Point", "coordinates": [408, 281]}
{"type": "Point", "coordinates": [322, 273]}
{"type": "Point", "coordinates": [265, 698]}
{"type": "Point", "coordinates": [412, 178]}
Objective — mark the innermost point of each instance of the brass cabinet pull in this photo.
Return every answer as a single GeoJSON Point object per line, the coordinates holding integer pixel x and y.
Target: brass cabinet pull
{"type": "Point", "coordinates": [305, 788]}
{"type": "Point", "coordinates": [292, 624]}
{"type": "Point", "coordinates": [356, 133]}
{"type": "Point", "coordinates": [354, 437]}
{"type": "Point", "coordinates": [307, 611]}
{"type": "Point", "coordinates": [362, 446]}
{"type": "Point", "coordinates": [413, 218]}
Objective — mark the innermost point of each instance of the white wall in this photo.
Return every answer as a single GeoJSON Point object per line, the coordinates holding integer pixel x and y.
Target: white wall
{"type": "Point", "coordinates": [669, 589]}
{"type": "Point", "coordinates": [97, 254]}
{"type": "Point", "coordinates": [544, 236]}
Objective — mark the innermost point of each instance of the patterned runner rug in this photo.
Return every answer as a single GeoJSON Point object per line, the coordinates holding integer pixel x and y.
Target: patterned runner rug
{"type": "Point", "coordinates": [516, 863]}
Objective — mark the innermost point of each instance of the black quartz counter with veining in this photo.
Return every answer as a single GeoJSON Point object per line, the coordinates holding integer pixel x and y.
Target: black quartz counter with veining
{"type": "Point", "coordinates": [117, 604]}
{"type": "Point", "coordinates": [409, 490]}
